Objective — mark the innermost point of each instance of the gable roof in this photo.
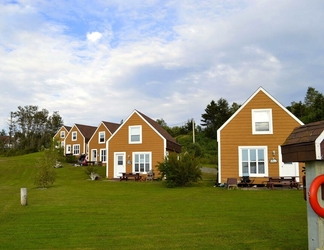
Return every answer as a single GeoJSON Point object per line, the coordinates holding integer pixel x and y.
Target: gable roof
{"type": "Point", "coordinates": [112, 127]}
{"type": "Point", "coordinates": [86, 130]}
{"type": "Point", "coordinates": [260, 89]}
{"type": "Point", "coordinates": [308, 133]}
{"type": "Point", "coordinates": [171, 142]}
{"type": "Point", "coordinates": [68, 128]}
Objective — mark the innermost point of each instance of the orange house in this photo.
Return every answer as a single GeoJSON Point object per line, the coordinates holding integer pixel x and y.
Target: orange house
{"type": "Point", "coordinates": [97, 143]}
{"type": "Point", "coordinates": [61, 135]}
{"type": "Point", "coordinates": [137, 146]}
{"type": "Point", "coordinates": [76, 141]}
{"type": "Point", "coordinates": [249, 141]}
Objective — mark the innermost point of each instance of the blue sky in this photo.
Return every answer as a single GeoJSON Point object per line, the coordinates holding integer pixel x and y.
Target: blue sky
{"type": "Point", "coordinates": [99, 60]}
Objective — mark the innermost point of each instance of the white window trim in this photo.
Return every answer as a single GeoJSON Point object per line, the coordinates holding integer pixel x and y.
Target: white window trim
{"type": "Point", "coordinates": [68, 151]}
{"type": "Point", "coordinates": [133, 162]}
{"type": "Point", "coordinates": [100, 157]}
{"type": "Point", "coordinates": [76, 136]}
{"type": "Point", "coordinates": [62, 134]}
{"type": "Point", "coordinates": [266, 162]}
{"type": "Point", "coordinates": [130, 134]}
{"type": "Point", "coordinates": [269, 111]}
{"type": "Point", "coordinates": [104, 137]}
{"type": "Point", "coordinates": [74, 145]}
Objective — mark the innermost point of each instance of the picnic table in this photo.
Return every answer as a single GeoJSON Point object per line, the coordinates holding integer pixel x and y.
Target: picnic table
{"type": "Point", "coordinates": [126, 176]}
{"type": "Point", "coordinates": [283, 181]}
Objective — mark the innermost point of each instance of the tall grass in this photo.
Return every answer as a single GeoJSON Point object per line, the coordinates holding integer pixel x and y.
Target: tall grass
{"type": "Point", "coordinates": [77, 213]}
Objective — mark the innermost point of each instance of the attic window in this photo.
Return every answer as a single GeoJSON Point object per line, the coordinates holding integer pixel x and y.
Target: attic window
{"type": "Point", "coordinates": [74, 136]}
{"type": "Point", "coordinates": [62, 134]}
{"type": "Point", "coordinates": [101, 137]}
{"type": "Point", "coordinates": [262, 121]}
{"type": "Point", "coordinates": [135, 134]}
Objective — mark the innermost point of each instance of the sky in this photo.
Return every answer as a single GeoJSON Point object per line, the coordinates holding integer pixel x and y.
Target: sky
{"type": "Point", "coordinates": [100, 60]}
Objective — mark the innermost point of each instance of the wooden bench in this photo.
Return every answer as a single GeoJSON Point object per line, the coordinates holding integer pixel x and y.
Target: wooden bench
{"type": "Point", "coordinates": [126, 176]}
{"type": "Point", "coordinates": [282, 181]}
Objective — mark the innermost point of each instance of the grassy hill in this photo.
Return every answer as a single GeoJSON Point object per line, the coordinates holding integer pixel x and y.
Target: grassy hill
{"type": "Point", "coordinates": [77, 213]}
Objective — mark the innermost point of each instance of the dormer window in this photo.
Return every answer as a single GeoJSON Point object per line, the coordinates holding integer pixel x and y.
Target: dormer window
{"type": "Point", "coordinates": [262, 121]}
{"type": "Point", "coordinates": [135, 134]}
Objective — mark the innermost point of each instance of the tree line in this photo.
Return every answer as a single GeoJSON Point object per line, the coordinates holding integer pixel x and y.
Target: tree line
{"type": "Point", "coordinates": [31, 129]}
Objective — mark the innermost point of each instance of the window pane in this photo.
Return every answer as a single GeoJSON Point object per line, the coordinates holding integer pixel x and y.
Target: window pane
{"type": "Point", "coordinates": [135, 138]}
{"type": "Point", "coordinates": [142, 167]}
{"type": "Point", "coordinates": [245, 155]}
{"type": "Point", "coordinates": [252, 154]}
{"type": "Point", "coordinates": [261, 168]}
{"type": "Point", "coordinates": [253, 168]}
{"type": "Point", "coordinates": [261, 154]}
{"type": "Point", "coordinates": [136, 167]}
{"type": "Point", "coordinates": [262, 126]}
{"type": "Point", "coordinates": [245, 167]}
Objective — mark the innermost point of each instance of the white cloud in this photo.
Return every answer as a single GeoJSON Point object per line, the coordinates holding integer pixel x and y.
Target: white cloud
{"type": "Point", "coordinates": [94, 36]}
{"type": "Point", "coordinates": [166, 59]}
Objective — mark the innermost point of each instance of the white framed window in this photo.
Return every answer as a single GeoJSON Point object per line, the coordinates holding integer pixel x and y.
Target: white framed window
{"type": "Point", "coordinates": [74, 136]}
{"type": "Point", "coordinates": [135, 134]}
{"type": "Point", "coordinates": [62, 135]}
{"type": "Point", "coordinates": [68, 149]}
{"type": "Point", "coordinates": [262, 121]}
{"type": "Point", "coordinates": [103, 155]}
{"type": "Point", "coordinates": [101, 137]}
{"type": "Point", "coordinates": [76, 149]}
{"type": "Point", "coordinates": [253, 161]}
{"type": "Point", "coordinates": [62, 144]}
{"type": "Point", "coordinates": [142, 162]}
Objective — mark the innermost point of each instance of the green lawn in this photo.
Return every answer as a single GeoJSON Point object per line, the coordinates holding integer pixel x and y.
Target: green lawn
{"type": "Point", "coordinates": [76, 213]}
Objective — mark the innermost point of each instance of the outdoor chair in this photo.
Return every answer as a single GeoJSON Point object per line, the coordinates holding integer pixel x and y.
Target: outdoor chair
{"type": "Point", "coordinates": [231, 182]}
{"type": "Point", "coordinates": [150, 175]}
{"type": "Point", "coordinates": [246, 181]}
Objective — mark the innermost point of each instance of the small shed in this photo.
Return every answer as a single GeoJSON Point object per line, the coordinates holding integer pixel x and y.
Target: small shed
{"type": "Point", "coordinates": [305, 143]}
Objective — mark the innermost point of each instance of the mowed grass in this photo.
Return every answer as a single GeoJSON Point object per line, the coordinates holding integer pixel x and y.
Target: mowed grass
{"type": "Point", "coordinates": [77, 213]}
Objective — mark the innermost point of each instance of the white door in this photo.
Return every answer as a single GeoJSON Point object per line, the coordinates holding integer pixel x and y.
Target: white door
{"type": "Point", "coordinates": [288, 168]}
{"type": "Point", "coordinates": [119, 164]}
{"type": "Point", "coordinates": [94, 155]}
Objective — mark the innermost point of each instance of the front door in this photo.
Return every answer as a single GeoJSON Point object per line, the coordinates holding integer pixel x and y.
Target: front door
{"type": "Point", "coordinates": [119, 164]}
{"type": "Point", "coordinates": [94, 155]}
{"type": "Point", "coordinates": [288, 168]}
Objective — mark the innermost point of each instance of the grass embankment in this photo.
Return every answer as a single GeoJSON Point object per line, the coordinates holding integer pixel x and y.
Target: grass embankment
{"type": "Point", "coordinates": [76, 213]}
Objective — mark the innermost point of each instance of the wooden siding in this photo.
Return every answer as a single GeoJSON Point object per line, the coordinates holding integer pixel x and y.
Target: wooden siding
{"type": "Point", "coordinates": [94, 141]}
{"type": "Point", "coordinates": [238, 132]}
{"type": "Point", "coordinates": [151, 142]}
{"type": "Point", "coordinates": [80, 140]}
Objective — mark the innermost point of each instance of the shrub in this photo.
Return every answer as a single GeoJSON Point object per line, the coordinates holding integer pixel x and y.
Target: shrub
{"type": "Point", "coordinates": [46, 174]}
{"type": "Point", "coordinates": [180, 170]}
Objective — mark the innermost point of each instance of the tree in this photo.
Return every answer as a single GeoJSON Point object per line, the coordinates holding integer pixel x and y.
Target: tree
{"type": "Point", "coordinates": [216, 115]}
{"type": "Point", "coordinates": [46, 174]}
{"type": "Point", "coordinates": [33, 128]}
{"type": "Point", "coordinates": [180, 170]}
{"type": "Point", "coordinates": [312, 109]}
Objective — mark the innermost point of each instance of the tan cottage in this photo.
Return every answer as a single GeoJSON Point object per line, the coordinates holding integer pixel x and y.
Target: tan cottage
{"type": "Point", "coordinates": [97, 143]}
{"type": "Point", "coordinates": [76, 141]}
{"type": "Point", "coordinates": [249, 141]}
{"type": "Point", "coordinates": [137, 146]}
{"type": "Point", "coordinates": [61, 135]}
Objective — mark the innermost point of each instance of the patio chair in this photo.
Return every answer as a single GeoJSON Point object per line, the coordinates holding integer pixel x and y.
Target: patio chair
{"type": "Point", "coordinates": [231, 182]}
{"type": "Point", "coordinates": [150, 175]}
{"type": "Point", "coordinates": [246, 181]}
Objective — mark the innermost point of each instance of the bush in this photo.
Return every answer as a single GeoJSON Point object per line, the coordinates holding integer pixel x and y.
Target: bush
{"type": "Point", "coordinates": [180, 170]}
{"type": "Point", "coordinates": [46, 174]}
